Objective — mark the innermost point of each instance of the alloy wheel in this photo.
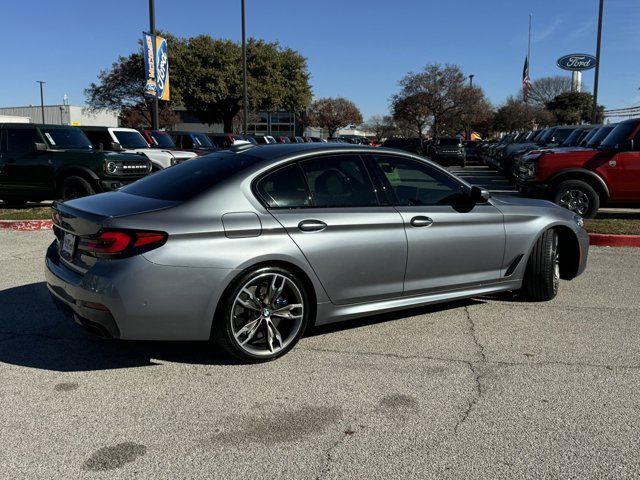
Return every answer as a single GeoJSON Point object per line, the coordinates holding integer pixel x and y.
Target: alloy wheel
{"type": "Point", "coordinates": [267, 314]}
{"type": "Point", "coordinates": [575, 200]}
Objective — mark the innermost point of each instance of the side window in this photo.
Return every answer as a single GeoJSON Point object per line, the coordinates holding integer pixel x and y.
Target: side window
{"type": "Point", "coordinates": [284, 188]}
{"type": "Point", "coordinates": [97, 137]}
{"type": "Point", "coordinates": [339, 181]}
{"type": "Point", "coordinates": [3, 141]}
{"type": "Point", "coordinates": [636, 142]}
{"type": "Point", "coordinates": [417, 183]}
{"type": "Point", "coordinates": [20, 140]}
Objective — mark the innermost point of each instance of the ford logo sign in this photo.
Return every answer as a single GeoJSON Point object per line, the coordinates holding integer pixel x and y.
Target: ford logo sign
{"type": "Point", "coordinates": [577, 62]}
{"type": "Point", "coordinates": [162, 68]}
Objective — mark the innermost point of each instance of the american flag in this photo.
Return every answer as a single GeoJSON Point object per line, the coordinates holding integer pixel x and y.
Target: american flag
{"type": "Point", "coordinates": [526, 81]}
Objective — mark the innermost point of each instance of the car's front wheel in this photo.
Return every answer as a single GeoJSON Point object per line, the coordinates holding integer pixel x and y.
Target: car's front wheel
{"type": "Point", "coordinates": [262, 315]}
{"type": "Point", "coordinates": [577, 196]}
{"type": "Point", "coordinates": [542, 275]}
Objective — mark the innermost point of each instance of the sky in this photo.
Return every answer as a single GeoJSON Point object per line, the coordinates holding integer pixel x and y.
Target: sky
{"type": "Point", "coordinates": [356, 49]}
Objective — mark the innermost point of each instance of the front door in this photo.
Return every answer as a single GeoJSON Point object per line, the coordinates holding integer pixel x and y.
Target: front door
{"type": "Point", "coordinates": [24, 169]}
{"type": "Point", "coordinates": [356, 246]}
{"type": "Point", "coordinates": [452, 243]}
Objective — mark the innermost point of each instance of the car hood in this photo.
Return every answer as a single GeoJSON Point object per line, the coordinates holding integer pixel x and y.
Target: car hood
{"type": "Point", "coordinates": [512, 201]}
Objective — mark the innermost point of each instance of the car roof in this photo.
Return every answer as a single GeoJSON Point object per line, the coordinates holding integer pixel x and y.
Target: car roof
{"type": "Point", "coordinates": [282, 150]}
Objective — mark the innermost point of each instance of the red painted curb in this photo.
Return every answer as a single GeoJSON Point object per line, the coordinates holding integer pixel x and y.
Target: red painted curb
{"type": "Point", "coordinates": [607, 240]}
{"type": "Point", "coordinates": [25, 225]}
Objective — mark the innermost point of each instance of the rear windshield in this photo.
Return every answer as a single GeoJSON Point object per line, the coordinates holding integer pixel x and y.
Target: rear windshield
{"type": "Point", "coordinates": [189, 179]}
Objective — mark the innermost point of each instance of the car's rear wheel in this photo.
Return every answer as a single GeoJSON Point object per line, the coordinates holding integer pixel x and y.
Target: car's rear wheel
{"type": "Point", "coordinates": [75, 187]}
{"type": "Point", "coordinates": [542, 275]}
{"type": "Point", "coordinates": [577, 196]}
{"type": "Point", "coordinates": [262, 315]}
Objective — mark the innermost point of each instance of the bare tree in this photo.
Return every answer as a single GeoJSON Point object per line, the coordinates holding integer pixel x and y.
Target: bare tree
{"type": "Point", "coordinates": [333, 114]}
{"type": "Point", "coordinates": [411, 113]}
{"type": "Point", "coordinates": [382, 126]}
{"type": "Point", "coordinates": [545, 89]}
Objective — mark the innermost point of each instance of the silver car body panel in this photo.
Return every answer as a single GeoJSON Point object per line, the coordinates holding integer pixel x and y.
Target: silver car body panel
{"type": "Point", "coordinates": [366, 261]}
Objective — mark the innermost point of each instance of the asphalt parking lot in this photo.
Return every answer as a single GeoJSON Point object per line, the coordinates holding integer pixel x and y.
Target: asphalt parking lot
{"type": "Point", "coordinates": [487, 388]}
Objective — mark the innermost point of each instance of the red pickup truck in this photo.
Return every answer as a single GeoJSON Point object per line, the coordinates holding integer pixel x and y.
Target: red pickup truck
{"type": "Point", "coordinates": [584, 179]}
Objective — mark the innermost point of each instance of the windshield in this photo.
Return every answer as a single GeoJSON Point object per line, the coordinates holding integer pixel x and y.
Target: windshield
{"type": "Point", "coordinates": [67, 138]}
{"type": "Point", "coordinates": [589, 136]}
{"type": "Point", "coordinates": [202, 140]}
{"type": "Point", "coordinates": [189, 179]}
{"type": "Point", "coordinates": [546, 137]}
{"type": "Point", "coordinates": [449, 141]}
{"type": "Point", "coordinates": [161, 139]}
{"type": "Point", "coordinates": [618, 135]}
{"type": "Point", "coordinates": [129, 139]}
{"type": "Point", "coordinates": [599, 136]}
{"type": "Point", "coordinates": [573, 138]}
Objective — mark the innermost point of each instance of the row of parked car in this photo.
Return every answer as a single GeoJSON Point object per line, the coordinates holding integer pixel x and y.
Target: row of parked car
{"type": "Point", "coordinates": [580, 167]}
{"type": "Point", "coordinates": [45, 162]}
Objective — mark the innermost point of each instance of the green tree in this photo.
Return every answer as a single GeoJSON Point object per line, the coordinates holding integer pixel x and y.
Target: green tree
{"type": "Point", "coordinates": [206, 77]}
{"type": "Point", "coordinates": [574, 108]}
{"type": "Point", "coordinates": [514, 115]}
{"type": "Point", "coordinates": [333, 114]}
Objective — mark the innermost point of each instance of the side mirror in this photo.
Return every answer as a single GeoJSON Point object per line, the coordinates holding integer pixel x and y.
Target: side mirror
{"type": "Point", "coordinates": [116, 147]}
{"type": "Point", "coordinates": [40, 147]}
{"type": "Point", "coordinates": [479, 195]}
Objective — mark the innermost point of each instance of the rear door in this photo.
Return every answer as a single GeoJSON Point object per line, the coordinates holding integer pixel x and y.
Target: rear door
{"type": "Point", "coordinates": [452, 243]}
{"type": "Point", "coordinates": [330, 208]}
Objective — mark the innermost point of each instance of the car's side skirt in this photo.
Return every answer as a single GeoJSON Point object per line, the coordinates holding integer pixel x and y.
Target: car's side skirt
{"type": "Point", "coordinates": [330, 313]}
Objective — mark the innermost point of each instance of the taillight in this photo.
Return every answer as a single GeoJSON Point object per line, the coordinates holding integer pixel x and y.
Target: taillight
{"type": "Point", "coordinates": [121, 243]}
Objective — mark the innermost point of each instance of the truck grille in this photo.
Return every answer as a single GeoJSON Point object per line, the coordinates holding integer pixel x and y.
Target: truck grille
{"type": "Point", "coordinates": [132, 168]}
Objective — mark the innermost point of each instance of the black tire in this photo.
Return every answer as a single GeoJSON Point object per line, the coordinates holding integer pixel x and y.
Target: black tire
{"type": "Point", "coordinates": [222, 335]}
{"type": "Point", "coordinates": [14, 202]}
{"type": "Point", "coordinates": [577, 196]}
{"type": "Point", "coordinates": [75, 187]}
{"type": "Point", "coordinates": [542, 275]}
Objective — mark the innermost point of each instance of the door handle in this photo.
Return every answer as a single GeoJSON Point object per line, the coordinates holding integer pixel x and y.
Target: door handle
{"type": "Point", "coordinates": [311, 226]}
{"type": "Point", "coordinates": [421, 222]}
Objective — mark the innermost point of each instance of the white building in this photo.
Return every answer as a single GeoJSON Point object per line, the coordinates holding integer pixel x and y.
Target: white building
{"type": "Point", "coordinates": [61, 115]}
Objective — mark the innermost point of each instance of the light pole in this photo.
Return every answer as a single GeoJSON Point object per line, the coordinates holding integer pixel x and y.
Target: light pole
{"type": "Point", "coordinates": [244, 71]}
{"type": "Point", "coordinates": [594, 113]}
{"type": "Point", "coordinates": [471, 80]}
{"type": "Point", "coordinates": [41, 98]}
{"type": "Point", "coordinates": [152, 31]}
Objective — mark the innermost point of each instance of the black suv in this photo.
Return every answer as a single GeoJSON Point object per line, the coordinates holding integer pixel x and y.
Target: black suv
{"type": "Point", "coordinates": [447, 151]}
{"type": "Point", "coordinates": [47, 162]}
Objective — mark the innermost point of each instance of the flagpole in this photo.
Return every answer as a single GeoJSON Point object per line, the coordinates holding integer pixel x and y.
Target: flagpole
{"type": "Point", "coordinates": [529, 53]}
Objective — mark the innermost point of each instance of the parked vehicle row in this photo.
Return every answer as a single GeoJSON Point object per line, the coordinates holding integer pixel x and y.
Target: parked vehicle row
{"type": "Point", "coordinates": [46, 162]}
{"type": "Point", "coordinates": [605, 170]}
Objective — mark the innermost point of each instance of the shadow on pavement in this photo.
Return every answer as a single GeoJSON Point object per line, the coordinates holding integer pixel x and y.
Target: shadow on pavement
{"type": "Point", "coordinates": [33, 333]}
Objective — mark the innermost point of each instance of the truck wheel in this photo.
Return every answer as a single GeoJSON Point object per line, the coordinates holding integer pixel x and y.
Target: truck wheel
{"type": "Point", "coordinates": [577, 196]}
{"type": "Point", "coordinates": [75, 187]}
{"type": "Point", "coordinates": [14, 202]}
{"type": "Point", "coordinates": [542, 276]}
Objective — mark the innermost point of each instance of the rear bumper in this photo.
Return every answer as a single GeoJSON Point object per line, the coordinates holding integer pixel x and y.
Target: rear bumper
{"type": "Point", "coordinates": [143, 300]}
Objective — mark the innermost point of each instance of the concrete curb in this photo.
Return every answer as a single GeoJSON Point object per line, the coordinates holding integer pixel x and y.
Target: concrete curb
{"type": "Point", "coordinates": [25, 225]}
{"type": "Point", "coordinates": [608, 240]}
{"type": "Point", "coordinates": [595, 239]}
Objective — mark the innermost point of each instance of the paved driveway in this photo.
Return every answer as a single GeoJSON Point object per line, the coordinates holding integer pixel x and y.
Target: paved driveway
{"type": "Point", "coordinates": [489, 388]}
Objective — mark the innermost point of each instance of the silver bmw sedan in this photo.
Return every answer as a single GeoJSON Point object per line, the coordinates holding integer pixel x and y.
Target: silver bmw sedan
{"type": "Point", "coordinates": [252, 246]}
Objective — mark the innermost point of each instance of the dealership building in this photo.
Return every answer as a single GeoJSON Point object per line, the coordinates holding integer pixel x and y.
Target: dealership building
{"type": "Point", "coordinates": [59, 115]}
